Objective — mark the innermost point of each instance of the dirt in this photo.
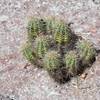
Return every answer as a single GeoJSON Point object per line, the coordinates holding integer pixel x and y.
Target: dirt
{"type": "Point", "coordinates": [19, 82]}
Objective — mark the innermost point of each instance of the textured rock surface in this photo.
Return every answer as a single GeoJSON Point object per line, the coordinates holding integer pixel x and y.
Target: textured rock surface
{"type": "Point", "coordinates": [21, 81]}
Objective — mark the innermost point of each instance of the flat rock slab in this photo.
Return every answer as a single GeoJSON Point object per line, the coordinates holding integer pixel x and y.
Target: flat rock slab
{"type": "Point", "coordinates": [19, 80]}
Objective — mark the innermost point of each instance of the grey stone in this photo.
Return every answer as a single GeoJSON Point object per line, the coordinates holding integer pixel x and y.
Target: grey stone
{"type": "Point", "coordinates": [3, 18]}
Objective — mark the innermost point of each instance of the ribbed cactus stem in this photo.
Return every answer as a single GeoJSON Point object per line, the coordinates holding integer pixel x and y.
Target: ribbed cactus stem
{"type": "Point", "coordinates": [28, 52]}
{"type": "Point", "coordinates": [71, 61]}
{"type": "Point", "coordinates": [51, 60]}
{"type": "Point", "coordinates": [50, 25]}
{"type": "Point", "coordinates": [61, 33]}
{"type": "Point", "coordinates": [41, 46]}
{"type": "Point", "coordinates": [86, 50]}
{"type": "Point", "coordinates": [33, 28]}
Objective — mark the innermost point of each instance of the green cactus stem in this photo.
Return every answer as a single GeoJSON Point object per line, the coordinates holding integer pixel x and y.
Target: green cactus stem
{"type": "Point", "coordinates": [33, 28]}
{"type": "Point", "coordinates": [72, 62]}
{"type": "Point", "coordinates": [42, 26]}
{"type": "Point", "coordinates": [41, 46]}
{"type": "Point", "coordinates": [86, 51]}
{"type": "Point", "coordinates": [61, 33]}
{"type": "Point", "coordinates": [50, 25]}
{"type": "Point", "coordinates": [51, 60]}
{"type": "Point", "coordinates": [28, 52]}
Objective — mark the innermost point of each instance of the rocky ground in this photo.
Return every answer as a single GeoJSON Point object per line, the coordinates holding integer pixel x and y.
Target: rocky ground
{"type": "Point", "coordinates": [19, 80]}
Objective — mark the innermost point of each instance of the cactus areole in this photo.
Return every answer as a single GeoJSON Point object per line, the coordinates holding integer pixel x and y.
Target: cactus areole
{"type": "Point", "coordinates": [51, 45]}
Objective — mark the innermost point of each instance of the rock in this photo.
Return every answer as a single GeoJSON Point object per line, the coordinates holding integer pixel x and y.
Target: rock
{"type": "Point", "coordinates": [96, 1]}
{"type": "Point", "coordinates": [98, 72]}
{"type": "Point", "coordinates": [3, 18]}
{"type": "Point", "coordinates": [83, 76]}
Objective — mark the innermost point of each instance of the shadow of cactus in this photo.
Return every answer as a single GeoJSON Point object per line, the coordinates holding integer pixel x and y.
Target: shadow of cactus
{"type": "Point", "coordinates": [53, 46]}
{"type": "Point", "coordinates": [60, 75]}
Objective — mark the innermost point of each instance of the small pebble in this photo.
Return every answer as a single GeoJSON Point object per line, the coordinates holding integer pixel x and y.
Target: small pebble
{"type": "Point", "coordinates": [83, 76]}
{"type": "Point", "coordinates": [3, 18]}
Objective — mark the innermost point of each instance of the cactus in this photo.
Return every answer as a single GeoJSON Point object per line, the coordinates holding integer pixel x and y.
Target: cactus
{"type": "Point", "coordinates": [51, 60]}
{"type": "Point", "coordinates": [41, 46]}
{"type": "Point", "coordinates": [72, 62]}
{"type": "Point", "coordinates": [50, 42]}
{"type": "Point", "coordinates": [33, 28]}
{"type": "Point", "coordinates": [61, 33]}
{"type": "Point", "coordinates": [42, 27]}
{"type": "Point", "coordinates": [28, 52]}
{"type": "Point", "coordinates": [86, 51]}
{"type": "Point", "coordinates": [51, 25]}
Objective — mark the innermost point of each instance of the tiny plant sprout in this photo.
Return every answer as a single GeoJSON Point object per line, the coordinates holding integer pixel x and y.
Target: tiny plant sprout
{"type": "Point", "coordinates": [51, 60]}
{"type": "Point", "coordinates": [86, 51]}
{"type": "Point", "coordinates": [71, 62]}
{"type": "Point", "coordinates": [41, 46]}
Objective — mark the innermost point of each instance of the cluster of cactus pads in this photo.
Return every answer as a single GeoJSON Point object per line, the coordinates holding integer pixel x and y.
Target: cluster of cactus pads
{"type": "Point", "coordinates": [50, 46]}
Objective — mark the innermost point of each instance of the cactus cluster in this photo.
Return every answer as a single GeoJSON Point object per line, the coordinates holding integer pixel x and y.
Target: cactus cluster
{"type": "Point", "coordinates": [49, 46]}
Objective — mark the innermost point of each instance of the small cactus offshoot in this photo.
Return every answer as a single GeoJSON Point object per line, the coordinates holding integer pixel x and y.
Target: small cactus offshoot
{"type": "Point", "coordinates": [72, 62]}
{"type": "Point", "coordinates": [41, 46]}
{"type": "Point", "coordinates": [86, 51]}
{"type": "Point", "coordinates": [51, 60]}
{"type": "Point", "coordinates": [52, 46]}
